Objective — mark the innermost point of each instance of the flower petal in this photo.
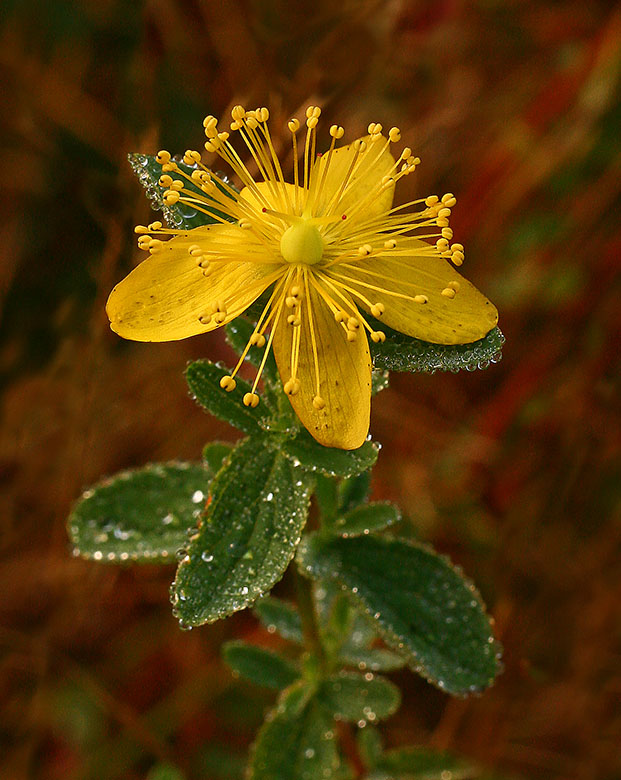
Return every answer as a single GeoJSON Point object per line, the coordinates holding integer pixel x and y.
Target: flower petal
{"type": "Point", "coordinates": [163, 298]}
{"type": "Point", "coordinates": [344, 377]}
{"type": "Point", "coordinates": [461, 318]}
{"type": "Point", "coordinates": [373, 164]}
{"type": "Point", "coordinates": [270, 195]}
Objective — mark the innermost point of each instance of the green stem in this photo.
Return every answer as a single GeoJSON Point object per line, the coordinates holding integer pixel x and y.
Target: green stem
{"type": "Point", "coordinates": [310, 626]}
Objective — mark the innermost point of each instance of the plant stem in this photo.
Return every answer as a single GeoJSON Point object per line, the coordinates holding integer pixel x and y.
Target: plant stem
{"type": "Point", "coordinates": [310, 627]}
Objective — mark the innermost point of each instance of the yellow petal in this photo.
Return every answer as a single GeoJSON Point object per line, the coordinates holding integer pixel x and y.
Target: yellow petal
{"type": "Point", "coordinates": [371, 166]}
{"type": "Point", "coordinates": [344, 374]}
{"type": "Point", "coordinates": [274, 195]}
{"type": "Point", "coordinates": [465, 317]}
{"type": "Point", "coordinates": [163, 298]}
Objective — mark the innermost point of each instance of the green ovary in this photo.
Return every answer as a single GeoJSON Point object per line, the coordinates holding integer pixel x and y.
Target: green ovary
{"type": "Point", "coordinates": [302, 243]}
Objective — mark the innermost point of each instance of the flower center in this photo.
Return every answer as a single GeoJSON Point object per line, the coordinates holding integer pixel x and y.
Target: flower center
{"type": "Point", "coordinates": [302, 243]}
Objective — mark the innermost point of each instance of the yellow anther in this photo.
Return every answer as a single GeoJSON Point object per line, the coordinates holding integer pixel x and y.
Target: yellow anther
{"type": "Point", "coordinates": [245, 224]}
{"type": "Point", "coordinates": [177, 185]}
{"type": "Point", "coordinates": [141, 229]}
{"type": "Point", "coordinates": [407, 152]}
{"type": "Point", "coordinates": [448, 292]}
{"type": "Point", "coordinates": [293, 125]}
{"type": "Point", "coordinates": [390, 244]}
{"type": "Point", "coordinates": [263, 114]}
{"type": "Point", "coordinates": [442, 245]}
{"type": "Point", "coordinates": [257, 340]}
{"type": "Point", "coordinates": [236, 126]}
{"type": "Point", "coordinates": [442, 222]}
{"type": "Point", "coordinates": [360, 145]}
{"type": "Point", "coordinates": [353, 323]}
{"type": "Point", "coordinates": [223, 136]}
{"type": "Point", "coordinates": [210, 120]}
{"type": "Point", "coordinates": [432, 200]}
{"type": "Point", "coordinates": [290, 301]}
{"type": "Point", "coordinates": [421, 299]}
{"type": "Point", "coordinates": [312, 122]}
{"type": "Point", "coordinates": [251, 121]}
{"type": "Point", "coordinates": [457, 258]}
{"type": "Point", "coordinates": [206, 269]}
{"type": "Point", "coordinates": [337, 132]}
{"type": "Point", "coordinates": [352, 335]}
{"type": "Point", "coordinates": [377, 309]}
{"type": "Point", "coordinates": [228, 383]}
{"type": "Point", "coordinates": [309, 111]}
{"type": "Point", "coordinates": [219, 317]}
{"type": "Point", "coordinates": [170, 166]}
{"type": "Point", "coordinates": [378, 336]}
{"type": "Point", "coordinates": [155, 244]}
{"type": "Point", "coordinates": [372, 128]}
{"type": "Point", "coordinates": [394, 134]}
{"type": "Point", "coordinates": [238, 112]}
{"type": "Point", "coordinates": [204, 319]}
{"type": "Point", "coordinates": [318, 402]}
{"type": "Point", "coordinates": [251, 399]}
{"type": "Point", "coordinates": [292, 386]}
{"type": "Point", "coordinates": [162, 156]}
{"type": "Point", "coordinates": [171, 197]}
{"type": "Point", "coordinates": [195, 250]}
{"type": "Point", "coordinates": [457, 247]}
{"type": "Point", "coordinates": [156, 225]}
{"type": "Point", "coordinates": [454, 285]}
{"type": "Point", "coordinates": [444, 212]}
{"type": "Point", "coordinates": [447, 233]}
{"type": "Point", "coordinates": [341, 316]}
{"type": "Point", "coordinates": [449, 199]}
{"type": "Point", "coordinates": [365, 250]}
{"type": "Point", "coordinates": [294, 320]}
{"type": "Point", "coordinates": [165, 180]}
{"type": "Point", "coordinates": [296, 291]}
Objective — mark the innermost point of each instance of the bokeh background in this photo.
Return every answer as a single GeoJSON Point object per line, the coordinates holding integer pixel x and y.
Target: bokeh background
{"type": "Point", "coordinates": [513, 105]}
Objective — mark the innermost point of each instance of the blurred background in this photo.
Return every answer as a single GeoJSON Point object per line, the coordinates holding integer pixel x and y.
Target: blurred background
{"type": "Point", "coordinates": [513, 105]}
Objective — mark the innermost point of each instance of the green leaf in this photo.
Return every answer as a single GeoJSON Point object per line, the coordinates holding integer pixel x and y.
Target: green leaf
{"type": "Point", "coordinates": [417, 763]}
{"type": "Point", "coordinates": [165, 772]}
{"type": "Point", "coordinates": [370, 745]}
{"type": "Point", "coordinates": [238, 333]}
{"type": "Point", "coordinates": [248, 535]}
{"type": "Point", "coordinates": [181, 216]}
{"type": "Point", "coordinates": [277, 615]}
{"type": "Point", "coordinates": [203, 378]}
{"type": "Point", "coordinates": [379, 381]}
{"type": "Point", "coordinates": [330, 461]}
{"type": "Point", "coordinates": [367, 518]}
{"type": "Point", "coordinates": [352, 697]}
{"type": "Point", "coordinates": [296, 742]}
{"type": "Point", "coordinates": [402, 353]}
{"type": "Point", "coordinates": [259, 665]}
{"type": "Point", "coordinates": [354, 491]}
{"type": "Point", "coordinates": [375, 659]}
{"type": "Point", "coordinates": [214, 454]}
{"type": "Point", "coordinates": [423, 606]}
{"type": "Point", "coordinates": [140, 515]}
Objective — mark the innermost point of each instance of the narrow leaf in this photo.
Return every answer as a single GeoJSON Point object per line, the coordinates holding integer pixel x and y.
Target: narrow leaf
{"type": "Point", "coordinates": [422, 605]}
{"type": "Point", "coordinates": [140, 515]}
{"type": "Point", "coordinates": [330, 461]}
{"type": "Point", "coordinates": [258, 505]}
{"type": "Point", "coordinates": [354, 491]}
{"type": "Point", "coordinates": [402, 353]}
{"type": "Point", "coordinates": [259, 665]}
{"type": "Point", "coordinates": [214, 454]}
{"type": "Point", "coordinates": [277, 615]}
{"type": "Point", "coordinates": [358, 698]}
{"type": "Point", "coordinates": [418, 763]}
{"type": "Point", "coordinates": [296, 742]}
{"type": "Point", "coordinates": [181, 215]}
{"type": "Point", "coordinates": [375, 659]}
{"type": "Point", "coordinates": [203, 378]}
{"type": "Point", "coordinates": [367, 518]}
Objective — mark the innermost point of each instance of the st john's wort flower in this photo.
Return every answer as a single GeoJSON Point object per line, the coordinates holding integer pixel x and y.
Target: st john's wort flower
{"type": "Point", "coordinates": [327, 249]}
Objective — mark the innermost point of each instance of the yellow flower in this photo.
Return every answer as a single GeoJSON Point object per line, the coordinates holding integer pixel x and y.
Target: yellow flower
{"type": "Point", "coordinates": [329, 248]}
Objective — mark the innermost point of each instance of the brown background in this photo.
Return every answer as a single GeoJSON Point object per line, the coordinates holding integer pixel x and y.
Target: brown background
{"type": "Point", "coordinates": [512, 471]}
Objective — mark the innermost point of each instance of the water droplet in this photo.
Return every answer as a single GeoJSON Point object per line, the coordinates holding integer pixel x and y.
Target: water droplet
{"type": "Point", "coordinates": [207, 556]}
{"type": "Point", "coordinates": [198, 496]}
{"type": "Point", "coordinates": [269, 497]}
